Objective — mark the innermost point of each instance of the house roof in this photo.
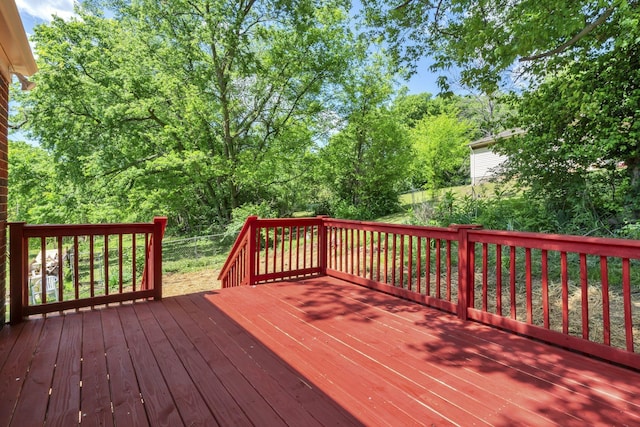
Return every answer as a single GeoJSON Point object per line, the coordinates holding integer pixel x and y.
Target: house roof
{"type": "Point", "coordinates": [15, 52]}
{"type": "Point", "coordinates": [492, 139]}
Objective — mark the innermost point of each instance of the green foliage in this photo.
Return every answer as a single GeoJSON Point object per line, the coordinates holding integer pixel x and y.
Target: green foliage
{"type": "Point", "coordinates": [581, 148]}
{"type": "Point", "coordinates": [364, 165]}
{"type": "Point", "coordinates": [505, 210]}
{"type": "Point", "coordinates": [493, 42]}
{"type": "Point", "coordinates": [188, 109]}
{"type": "Point", "coordinates": [415, 107]}
{"type": "Point", "coordinates": [440, 143]}
{"type": "Point", "coordinates": [240, 214]}
{"type": "Point", "coordinates": [38, 192]}
{"type": "Point", "coordinates": [575, 72]}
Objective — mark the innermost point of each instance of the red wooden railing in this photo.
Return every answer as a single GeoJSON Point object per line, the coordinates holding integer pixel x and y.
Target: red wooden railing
{"type": "Point", "coordinates": [276, 249]}
{"type": "Point", "coordinates": [61, 267]}
{"type": "Point", "coordinates": [578, 292]}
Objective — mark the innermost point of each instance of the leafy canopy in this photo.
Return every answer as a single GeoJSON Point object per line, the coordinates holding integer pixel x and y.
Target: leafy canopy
{"type": "Point", "coordinates": [492, 42]}
{"type": "Point", "coordinates": [186, 108]}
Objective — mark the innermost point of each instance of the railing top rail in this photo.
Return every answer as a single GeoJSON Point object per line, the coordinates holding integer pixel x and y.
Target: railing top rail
{"type": "Point", "coordinates": [557, 242]}
{"type": "Point", "coordinates": [288, 222]}
{"type": "Point", "coordinates": [56, 230]}
{"type": "Point", "coordinates": [240, 240]}
{"type": "Point", "coordinates": [415, 230]}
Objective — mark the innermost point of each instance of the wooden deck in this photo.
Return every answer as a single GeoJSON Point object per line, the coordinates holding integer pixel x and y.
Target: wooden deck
{"type": "Point", "coordinates": [314, 352]}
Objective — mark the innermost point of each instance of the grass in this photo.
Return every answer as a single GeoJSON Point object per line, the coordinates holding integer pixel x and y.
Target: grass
{"type": "Point", "coordinates": [429, 196]}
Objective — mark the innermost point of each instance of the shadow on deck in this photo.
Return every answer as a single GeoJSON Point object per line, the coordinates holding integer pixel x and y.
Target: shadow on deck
{"type": "Point", "coordinates": [314, 352]}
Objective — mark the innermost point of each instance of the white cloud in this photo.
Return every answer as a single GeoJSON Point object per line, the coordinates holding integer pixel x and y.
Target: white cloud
{"type": "Point", "coordinates": [45, 9]}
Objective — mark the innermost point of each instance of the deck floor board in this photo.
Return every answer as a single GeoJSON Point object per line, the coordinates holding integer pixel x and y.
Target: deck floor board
{"type": "Point", "coordinates": [519, 397]}
{"type": "Point", "coordinates": [314, 352]}
{"type": "Point", "coordinates": [94, 395]}
{"type": "Point", "coordinates": [408, 362]}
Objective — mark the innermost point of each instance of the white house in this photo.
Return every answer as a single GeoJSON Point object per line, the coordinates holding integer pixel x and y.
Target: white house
{"type": "Point", "coordinates": [484, 161]}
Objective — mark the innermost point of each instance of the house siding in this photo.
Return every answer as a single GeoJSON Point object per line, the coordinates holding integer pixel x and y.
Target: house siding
{"type": "Point", "coordinates": [4, 169]}
{"type": "Point", "coordinates": [483, 164]}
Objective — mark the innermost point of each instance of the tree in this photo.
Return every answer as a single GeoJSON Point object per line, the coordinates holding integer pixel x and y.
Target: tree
{"type": "Point", "coordinates": [35, 192]}
{"type": "Point", "coordinates": [492, 41]}
{"type": "Point", "coordinates": [577, 92]}
{"type": "Point", "coordinates": [186, 108]}
{"type": "Point", "coordinates": [583, 132]}
{"type": "Point", "coordinates": [367, 161]}
{"type": "Point", "coordinates": [440, 143]}
{"type": "Point", "coordinates": [411, 108]}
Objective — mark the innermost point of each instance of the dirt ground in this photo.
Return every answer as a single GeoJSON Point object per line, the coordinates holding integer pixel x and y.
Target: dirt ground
{"type": "Point", "coordinates": [188, 283]}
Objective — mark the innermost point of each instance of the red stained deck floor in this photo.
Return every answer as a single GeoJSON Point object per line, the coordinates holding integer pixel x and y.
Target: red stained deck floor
{"type": "Point", "coordinates": [314, 352]}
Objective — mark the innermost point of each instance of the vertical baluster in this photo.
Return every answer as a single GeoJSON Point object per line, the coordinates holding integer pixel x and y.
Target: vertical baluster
{"type": "Point", "coordinates": [564, 279]}
{"type": "Point", "coordinates": [485, 277]}
{"type": "Point", "coordinates": [92, 289]}
{"type": "Point", "coordinates": [290, 266]}
{"type": "Point", "coordinates": [364, 253]}
{"type": "Point", "coordinates": [133, 263]}
{"type": "Point", "coordinates": [499, 280]}
{"type": "Point", "coordinates": [410, 266]}
{"type": "Point", "coordinates": [314, 229]}
{"type": "Point", "coordinates": [545, 287]}
{"type": "Point", "coordinates": [358, 253]}
{"type": "Point", "coordinates": [258, 238]}
{"type": "Point", "coordinates": [60, 266]}
{"type": "Point", "coordinates": [606, 317]}
{"type": "Point", "coordinates": [351, 250]}
{"type": "Point", "coordinates": [386, 257]}
{"type": "Point", "coordinates": [471, 274]}
{"type": "Point", "coordinates": [76, 270]}
{"type": "Point", "coordinates": [378, 252]}
{"type": "Point", "coordinates": [43, 270]}
{"type": "Point", "coordinates": [266, 249]}
{"type": "Point", "coordinates": [448, 266]}
{"type": "Point", "coordinates": [120, 265]}
{"type": "Point", "coordinates": [371, 237]}
{"type": "Point", "coordinates": [281, 248]}
{"type": "Point", "coordinates": [106, 260]}
{"type": "Point", "coordinates": [330, 247]}
{"type": "Point", "coordinates": [304, 247]}
{"type": "Point", "coordinates": [275, 249]}
{"type": "Point", "coordinates": [512, 280]}
{"type": "Point", "coordinates": [341, 244]}
{"type": "Point", "coordinates": [393, 261]}
{"type": "Point", "coordinates": [401, 284]}
{"type": "Point", "coordinates": [419, 266]}
{"type": "Point", "coordinates": [438, 267]}
{"type": "Point", "coordinates": [528, 284]}
{"type": "Point", "coordinates": [584, 290]}
{"type": "Point", "coordinates": [626, 295]}
{"type": "Point", "coordinates": [427, 273]}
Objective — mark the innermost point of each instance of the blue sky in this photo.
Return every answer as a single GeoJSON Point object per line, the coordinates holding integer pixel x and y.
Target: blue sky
{"type": "Point", "coordinates": [35, 12]}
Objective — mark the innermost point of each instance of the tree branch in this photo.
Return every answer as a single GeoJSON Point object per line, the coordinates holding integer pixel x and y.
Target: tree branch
{"type": "Point", "coordinates": [564, 46]}
{"type": "Point", "coordinates": [19, 125]}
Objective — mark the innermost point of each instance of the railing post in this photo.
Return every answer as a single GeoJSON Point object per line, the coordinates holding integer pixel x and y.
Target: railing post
{"type": "Point", "coordinates": [160, 223]}
{"type": "Point", "coordinates": [322, 245]}
{"type": "Point", "coordinates": [465, 269]}
{"type": "Point", "coordinates": [252, 249]}
{"type": "Point", "coordinates": [17, 271]}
